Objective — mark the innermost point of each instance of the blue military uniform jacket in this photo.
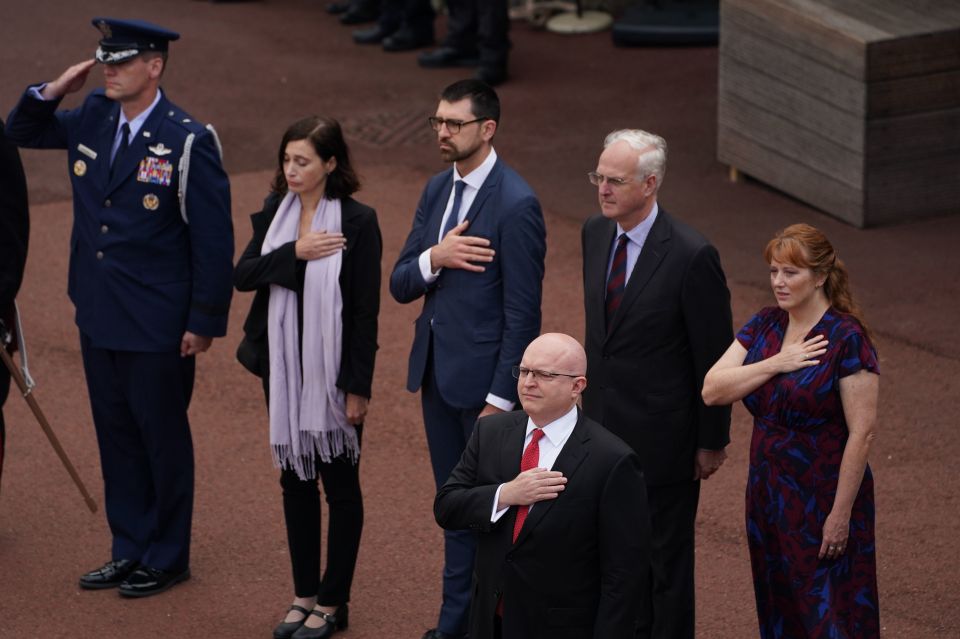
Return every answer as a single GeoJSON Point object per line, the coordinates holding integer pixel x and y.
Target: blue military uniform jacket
{"type": "Point", "coordinates": [152, 247]}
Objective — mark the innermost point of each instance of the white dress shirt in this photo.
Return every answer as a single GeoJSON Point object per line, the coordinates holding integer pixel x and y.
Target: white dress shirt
{"type": "Point", "coordinates": [555, 435]}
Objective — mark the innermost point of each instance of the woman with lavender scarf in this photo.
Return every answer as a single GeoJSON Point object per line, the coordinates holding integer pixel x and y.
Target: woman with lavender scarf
{"type": "Point", "coordinates": [311, 335]}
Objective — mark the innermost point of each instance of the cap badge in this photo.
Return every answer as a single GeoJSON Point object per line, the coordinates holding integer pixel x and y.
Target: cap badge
{"type": "Point", "coordinates": [160, 149]}
{"type": "Point", "coordinates": [79, 168]}
{"type": "Point", "coordinates": [151, 202]}
{"type": "Point", "coordinates": [105, 29]}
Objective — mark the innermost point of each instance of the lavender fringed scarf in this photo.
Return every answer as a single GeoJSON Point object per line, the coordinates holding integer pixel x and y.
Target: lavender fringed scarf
{"type": "Point", "coordinates": [307, 419]}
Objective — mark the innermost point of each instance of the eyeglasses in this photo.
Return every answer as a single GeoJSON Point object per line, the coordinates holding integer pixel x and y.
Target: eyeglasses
{"type": "Point", "coordinates": [544, 376]}
{"type": "Point", "coordinates": [597, 179]}
{"type": "Point", "coordinates": [453, 126]}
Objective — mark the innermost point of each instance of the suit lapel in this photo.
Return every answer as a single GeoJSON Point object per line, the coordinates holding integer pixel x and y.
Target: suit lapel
{"type": "Point", "coordinates": [598, 248]}
{"type": "Point", "coordinates": [568, 462]}
{"type": "Point", "coordinates": [349, 225]}
{"type": "Point", "coordinates": [105, 137]}
{"type": "Point", "coordinates": [489, 185]}
{"type": "Point", "coordinates": [512, 447]}
{"type": "Point", "coordinates": [654, 250]}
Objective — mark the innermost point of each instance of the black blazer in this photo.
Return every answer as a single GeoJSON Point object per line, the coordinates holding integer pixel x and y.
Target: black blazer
{"type": "Point", "coordinates": [573, 571]}
{"type": "Point", "coordinates": [359, 286]}
{"type": "Point", "coordinates": [14, 226]}
{"type": "Point", "coordinates": [647, 372]}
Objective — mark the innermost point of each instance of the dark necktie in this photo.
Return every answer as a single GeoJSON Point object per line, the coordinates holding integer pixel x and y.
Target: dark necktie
{"type": "Point", "coordinates": [124, 143]}
{"type": "Point", "coordinates": [530, 459]}
{"type": "Point", "coordinates": [455, 209]}
{"type": "Point", "coordinates": [618, 278]}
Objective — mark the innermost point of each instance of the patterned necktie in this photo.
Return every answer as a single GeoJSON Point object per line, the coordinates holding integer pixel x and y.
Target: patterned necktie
{"type": "Point", "coordinates": [124, 143]}
{"type": "Point", "coordinates": [530, 459]}
{"type": "Point", "coordinates": [453, 218]}
{"type": "Point", "coordinates": [618, 278]}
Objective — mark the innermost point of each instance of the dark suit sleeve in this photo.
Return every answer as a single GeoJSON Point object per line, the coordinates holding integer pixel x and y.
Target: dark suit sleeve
{"type": "Point", "coordinates": [706, 311]}
{"type": "Point", "coordinates": [406, 281]}
{"type": "Point", "coordinates": [211, 239]}
{"type": "Point", "coordinates": [14, 223]}
{"type": "Point", "coordinates": [523, 249]}
{"type": "Point", "coordinates": [37, 124]}
{"type": "Point", "coordinates": [624, 523]}
{"type": "Point", "coordinates": [360, 347]}
{"type": "Point", "coordinates": [461, 503]}
{"type": "Point", "coordinates": [279, 267]}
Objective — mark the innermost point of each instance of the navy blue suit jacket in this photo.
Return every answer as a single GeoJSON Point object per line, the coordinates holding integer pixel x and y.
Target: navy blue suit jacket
{"type": "Point", "coordinates": [481, 322]}
{"type": "Point", "coordinates": [140, 275]}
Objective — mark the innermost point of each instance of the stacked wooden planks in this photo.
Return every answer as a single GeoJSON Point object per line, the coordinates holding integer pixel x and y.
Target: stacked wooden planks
{"type": "Point", "coordinates": [850, 105]}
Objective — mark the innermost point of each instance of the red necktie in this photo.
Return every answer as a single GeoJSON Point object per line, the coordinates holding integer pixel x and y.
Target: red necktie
{"type": "Point", "coordinates": [618, 278]}
{"type": "Point", "coordinates": [530, 459]}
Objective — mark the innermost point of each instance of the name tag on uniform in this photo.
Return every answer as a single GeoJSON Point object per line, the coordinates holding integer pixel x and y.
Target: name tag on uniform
{"type": "Point", "coordinates": [155, 171]}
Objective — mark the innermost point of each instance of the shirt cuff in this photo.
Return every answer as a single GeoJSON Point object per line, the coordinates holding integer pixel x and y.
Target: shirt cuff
{"type": "Point", "coordinates": [429, 277]}
{"type": "Point", "coordinates": [499, 402]}
{"type": "Point", "coordinates": [497, 514]}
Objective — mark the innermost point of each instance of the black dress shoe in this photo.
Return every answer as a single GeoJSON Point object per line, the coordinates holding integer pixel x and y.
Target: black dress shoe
{"type": "Point", "coordinates": [405, 39]}
{"type": "Point", "coordinates": [109, 575]}
{"type": "Point", "coordinates": [493, 76]}
{"type": "Point", "coordinates": [433, 633]}
{"type": "Point", "coordinates": [359, 16]}
{"type": "Point", "coordinates": [335, 8]}
{"type": "Point", "coordinates": [447, 57]}
{"type": "Point", "coordinates": [371, 35]}
{"type": "Point", "coordinates": [285, 629]}
{"type": "Point", "coordinates": [337, 621]}
{"type": "Point", "coordinates": [146, 581]}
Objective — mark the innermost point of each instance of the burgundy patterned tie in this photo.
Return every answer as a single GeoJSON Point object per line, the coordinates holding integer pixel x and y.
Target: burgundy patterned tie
{"type": "Point", "coordinates": [530, 459]}
{"type": "Point", "coordinates": [618, 278]}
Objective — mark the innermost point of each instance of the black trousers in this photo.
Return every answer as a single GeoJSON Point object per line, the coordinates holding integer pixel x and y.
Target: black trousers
{"type": "Point", "coordinates": [481, 26]}
{"type": "Point", "coordinates": [301, 511]}
{"type": "Point", "coordinates": [667, 603]}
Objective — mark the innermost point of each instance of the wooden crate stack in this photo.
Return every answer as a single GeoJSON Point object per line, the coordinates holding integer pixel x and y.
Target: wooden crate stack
{"type": "Point", "coordinates": [850, 105]}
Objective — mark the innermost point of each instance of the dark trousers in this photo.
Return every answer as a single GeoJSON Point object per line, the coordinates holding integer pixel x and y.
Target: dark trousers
{"type": "Point", "coordinates": [139, 403]}
{"type": "Point", "coordinates": [667, 607]}
{"type": "Point", "coordinates": [415, 15]}
{"type": "Point", "coordinates": [481, 26]}
{"type": "Point", "coordinates": [448, 428]}
{"type": "Point", "coordinates": [301, 511]}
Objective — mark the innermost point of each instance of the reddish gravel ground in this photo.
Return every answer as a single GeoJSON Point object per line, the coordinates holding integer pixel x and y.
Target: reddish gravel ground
{"type": "Point", "coordinates": [252, 68]}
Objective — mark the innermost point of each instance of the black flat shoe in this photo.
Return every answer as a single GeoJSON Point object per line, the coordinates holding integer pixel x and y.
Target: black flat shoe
{"type": "Point", "coordinates": [359, 16]}
{"type": "Point", "coordinates": [336, 621]}
{"type": "Point", "coordinates": [286, 629]}
{"type": "Point", "coordinates": [370, 35]}
{"type": "Point", "coordinates": [146, 581]}
{"type": "Point", "coordinates": [109, 575]}
{"type": "Point", "coordinates": [444, 57]}
{"type": "Point", "coordinates": [493, 76]}
{"type": "Point", "coordinates": [405, 39]}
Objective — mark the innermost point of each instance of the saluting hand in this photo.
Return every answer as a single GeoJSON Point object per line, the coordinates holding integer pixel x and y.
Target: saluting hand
{"type": "Point", "coordinates": [70, 81]}
{"type": "Point", "coordinates": [457, 250]}
{"type": "Point", "coordinates": [317, 244]}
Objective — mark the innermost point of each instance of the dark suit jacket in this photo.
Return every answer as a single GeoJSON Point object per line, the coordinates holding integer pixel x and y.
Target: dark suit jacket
{"type": "Point", "coordinates": [647, 372]}
{"type": "Point", "coordinates": [14, 226]}
{"type": "Point", "coordinates": [359, 287]}
{"type": "Point", "coordinates": [481, 322]}
{"type": "Point", "coordinates": [572, 572]}
{"type": "Point", "coordinates": [140, 275]}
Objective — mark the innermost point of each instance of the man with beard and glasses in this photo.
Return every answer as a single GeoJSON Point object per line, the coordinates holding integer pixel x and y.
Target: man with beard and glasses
{"type": "Point", "coordinates": [475, 255]}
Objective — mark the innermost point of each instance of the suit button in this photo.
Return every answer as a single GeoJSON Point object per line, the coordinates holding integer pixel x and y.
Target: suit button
{"type": "Point", "coordinates": [104, 229]}
{"type": "Point", "coordinates": [99, 255]}
{"type": "Point", "coordinates": [107, 203]}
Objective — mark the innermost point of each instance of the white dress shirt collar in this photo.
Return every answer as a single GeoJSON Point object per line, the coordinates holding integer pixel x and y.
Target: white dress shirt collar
{"type": "Point", "coordinates": [478, 176]}
{"type": "Point", "coordinates": [137, 122]}
{"type": "Point", "coordinates": [558, 430]}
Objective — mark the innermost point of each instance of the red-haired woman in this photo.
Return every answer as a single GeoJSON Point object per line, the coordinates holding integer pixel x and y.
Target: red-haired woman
{"type": "Point", "coordinates": [808, 374]}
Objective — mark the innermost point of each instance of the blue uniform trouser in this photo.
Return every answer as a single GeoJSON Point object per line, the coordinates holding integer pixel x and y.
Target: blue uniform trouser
{"type": "Point", "coordinates": [139, 403]}
{"type": "Point", "coordinates": [448, 429]}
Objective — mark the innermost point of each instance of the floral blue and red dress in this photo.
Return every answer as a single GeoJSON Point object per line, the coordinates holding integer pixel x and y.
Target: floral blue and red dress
{"type": "Point", "coordinates": [798, 439]}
